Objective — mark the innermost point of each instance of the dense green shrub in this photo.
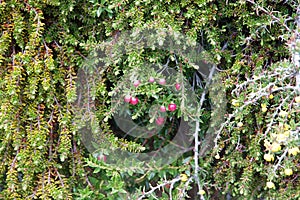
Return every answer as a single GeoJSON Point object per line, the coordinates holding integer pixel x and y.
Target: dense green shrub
{"type": "Point", "coordinates": [44, 45]}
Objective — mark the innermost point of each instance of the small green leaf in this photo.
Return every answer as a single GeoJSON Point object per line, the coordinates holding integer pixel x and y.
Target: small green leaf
{"type": "Point", "coordinates": [97, 170]}
{"type": "Point", "coordinates": [99, 11]}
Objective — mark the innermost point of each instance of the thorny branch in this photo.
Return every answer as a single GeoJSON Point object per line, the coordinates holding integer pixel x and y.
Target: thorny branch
{"type": "Point", "coordinates": [258, 96]}
{"type": "Point", "coordinates": [295, 47]}
{"type": "Point", "coordinates": [197, 130]}
{"type": "Point", "coordinates": [276, 19]}
{"type": "Point", "coordinates": [153, 189]}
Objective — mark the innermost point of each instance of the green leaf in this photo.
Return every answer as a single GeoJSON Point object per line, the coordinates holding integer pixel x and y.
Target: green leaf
{"type": "Point", "coordinates": [99, 11]}
{"type": "Point", "coordinates": [97, 170]}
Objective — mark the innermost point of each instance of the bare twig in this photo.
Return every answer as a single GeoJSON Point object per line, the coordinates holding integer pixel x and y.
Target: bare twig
{"type": "Point", "coordinates": [295, 49]}
{"type": "Point", "coordinates": [196, 136]}
{"type": "Point", "coordinates": [270, 13]}
{"type": "Point", "coordinates": [257, 96]}
{"type": "Point", "coordinates": [153, 189]}
{"type": "Point", "coordinates": [270, 124]}
{"type": "Point", "coordinates": [280, 159]}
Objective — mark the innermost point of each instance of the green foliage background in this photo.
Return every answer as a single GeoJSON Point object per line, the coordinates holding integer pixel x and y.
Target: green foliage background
{"type": "Point", "coordinates": [44, 43]}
